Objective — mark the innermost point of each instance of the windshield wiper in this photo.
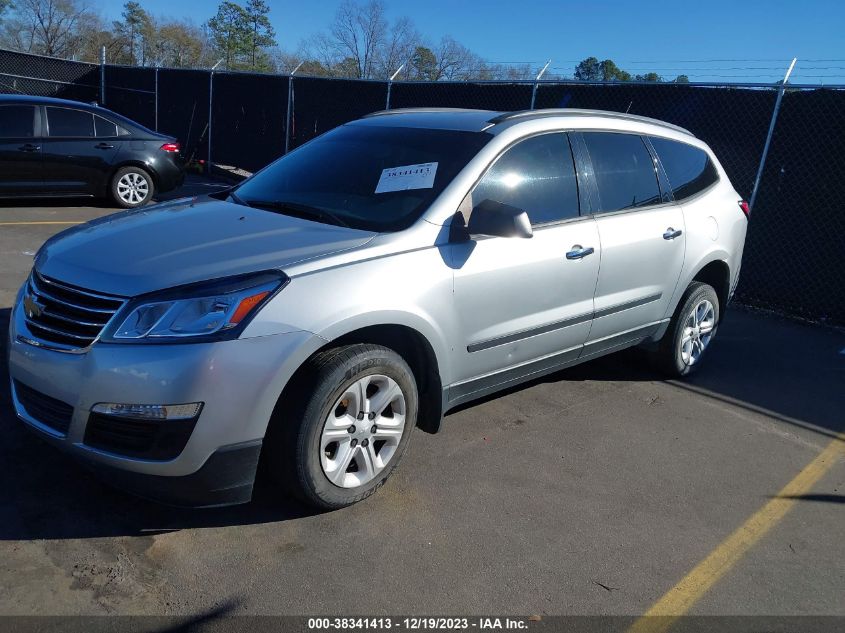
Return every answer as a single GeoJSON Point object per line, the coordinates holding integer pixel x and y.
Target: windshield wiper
{"type": "Point", "coordinates": [298, 210]}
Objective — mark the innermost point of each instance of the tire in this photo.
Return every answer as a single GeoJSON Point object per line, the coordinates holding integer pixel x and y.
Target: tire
{"type": "Point", "coordinates": [685, 343]}
{"type": "Point", "coordinates": [310, 439]}
{"type": "Point", "coordinates": [132, 187]}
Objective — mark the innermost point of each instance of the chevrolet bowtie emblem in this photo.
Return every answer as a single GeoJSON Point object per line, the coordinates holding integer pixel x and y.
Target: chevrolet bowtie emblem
{"type": "Point", "coordinates": [31, 307]}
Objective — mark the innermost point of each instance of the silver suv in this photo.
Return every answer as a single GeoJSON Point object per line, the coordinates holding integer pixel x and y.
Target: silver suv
{"type": "Point", "coordinates": [365, 284]}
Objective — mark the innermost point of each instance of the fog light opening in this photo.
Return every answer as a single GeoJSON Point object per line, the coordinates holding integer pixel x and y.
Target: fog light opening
{"type": "Point", "coordinates": [149, 411]}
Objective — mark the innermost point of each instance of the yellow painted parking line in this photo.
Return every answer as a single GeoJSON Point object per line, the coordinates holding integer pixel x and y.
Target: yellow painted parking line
{"type": "Point", "coordinates": [29, 223]}
{"type": "Point", "coordinates": [680, 598]}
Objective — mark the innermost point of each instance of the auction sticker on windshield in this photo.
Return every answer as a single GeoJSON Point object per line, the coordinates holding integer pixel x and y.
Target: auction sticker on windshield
{"type": "Point", "coordinates": [407, 177]}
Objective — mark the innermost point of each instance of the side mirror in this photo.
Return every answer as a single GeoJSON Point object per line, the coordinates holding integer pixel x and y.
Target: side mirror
{"type": "Point", "coordinates": [499, 220]}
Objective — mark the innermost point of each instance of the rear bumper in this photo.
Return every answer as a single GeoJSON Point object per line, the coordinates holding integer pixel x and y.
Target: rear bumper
{"type": "Point", "coordinates": [170, 175]}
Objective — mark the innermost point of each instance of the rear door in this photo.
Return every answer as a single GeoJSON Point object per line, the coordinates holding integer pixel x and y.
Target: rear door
{"type": "Point", "coordinates": [523, 302]}
{"type": "Point", "coordinates": [20, 150]}
{"type": "Point", "coordinates": [76, 159]}
{"type": "Point", "coordinates": [642, 239]}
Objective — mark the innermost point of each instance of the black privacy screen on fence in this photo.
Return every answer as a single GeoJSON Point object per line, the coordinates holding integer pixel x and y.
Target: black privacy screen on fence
{"type": "Point", "coordinates": [183, 109]}
{"type": "Point", "coordinates": [248, 119]}
{"type": "Point", "coordinates": [795, 251]}
{"type": "Point", "coordinates": [320, 105]}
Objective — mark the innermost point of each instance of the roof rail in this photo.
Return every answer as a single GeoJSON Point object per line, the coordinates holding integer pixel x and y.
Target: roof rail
{"type": "Point", "coordinates": [532, 114]}
{"type": "Point", "coordinates": [411, 111]}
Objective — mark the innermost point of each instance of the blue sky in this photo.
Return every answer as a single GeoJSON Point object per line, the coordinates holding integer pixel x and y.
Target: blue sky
{"type": "Point", "coordinates": [668, 37]}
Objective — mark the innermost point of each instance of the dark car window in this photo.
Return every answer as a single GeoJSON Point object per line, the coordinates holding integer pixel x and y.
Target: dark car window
{"type": "Point", "coordinates": [17, 121]}
{"type": "Point", "coordinates": [624, 170]}
{"type": "Point", "coordinates": [66, 122]}
{"type": "Point", "coordinates": [538, 176]}
{"type": "Point", "coordinates": [104, 127]}
{"type": "Point", "coordinates": [688, 168]}
{"type": "Point", "coordinates": [371, 177]}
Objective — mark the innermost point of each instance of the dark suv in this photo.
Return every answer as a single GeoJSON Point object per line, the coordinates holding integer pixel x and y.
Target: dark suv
{"type": "Point", "coordinates": [54, 147]}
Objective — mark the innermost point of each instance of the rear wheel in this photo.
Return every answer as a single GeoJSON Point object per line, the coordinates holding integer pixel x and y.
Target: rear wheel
{"type": "Point", "coordinates": [690, 332]}
{"type": "Point", "coordinates": [345, 434]}
{"type": "Point", "coordinates": [132, 187]}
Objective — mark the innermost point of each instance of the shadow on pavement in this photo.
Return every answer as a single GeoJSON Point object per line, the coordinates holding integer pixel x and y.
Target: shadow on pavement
{"type": "Point", "coordinates": [194, 186]}
{"type": "Point", "coordinates": [789, 371]}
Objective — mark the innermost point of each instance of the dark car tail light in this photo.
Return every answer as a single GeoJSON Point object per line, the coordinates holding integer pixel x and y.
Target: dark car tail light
{"type": "Point", "coordinates": [170, 147]}
{"type": "Point", "coordinates": [745, 208]}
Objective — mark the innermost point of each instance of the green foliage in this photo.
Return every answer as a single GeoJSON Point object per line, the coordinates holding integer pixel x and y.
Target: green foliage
{"type": "Point", "coordinates": [132, 35]}
{"type": "Point", "coordinates": [681, 79]}
{"type": "Point", "coordinates": [588, 70]}
{"type": "Point", "coordinates": [261, 34]}
{"type": "Point", "coordinates": [591, 69]}
{"type": "Point", "coordinates": [424, 64]}
{"type": "Point", "coordinates": [230, 32]}
{"type": "Point", "coordinates": [609, 71]}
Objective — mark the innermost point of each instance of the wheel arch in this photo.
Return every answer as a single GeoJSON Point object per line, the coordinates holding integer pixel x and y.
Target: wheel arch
{"type": "Point", "coordinates": [716, 273]}
{"type": "Point", "coordinates": [132, 162]}
{"type": "Point", "coordinates": [409, 342]}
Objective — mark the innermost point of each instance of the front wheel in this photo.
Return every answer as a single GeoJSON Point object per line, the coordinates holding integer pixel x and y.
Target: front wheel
{"type": "Point", "coordinates": [132, 187]}
{"type": "Point", "coordinates": [690, 332]}
{"type": "Point", "coordinates": [339, 442]}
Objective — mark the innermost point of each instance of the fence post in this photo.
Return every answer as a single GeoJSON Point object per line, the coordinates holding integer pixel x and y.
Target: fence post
{"type": "Point", "coordinates": [536, 80]}
{"type": "Point", "coordinates": [781, 90]}
{"type": "Point", "coordinates": [156, 101]}
{"type": "Point", "coordinates": [390, 85]}
{"type": "Point", "coordinates": [102, 75]}
{"type": "Point", "coordinates": [289, 113]}
{"type": "Point", "coordinates": [210, 109]}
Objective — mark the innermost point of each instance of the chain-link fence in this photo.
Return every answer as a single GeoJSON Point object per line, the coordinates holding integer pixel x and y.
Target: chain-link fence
{"type": "Point", "coordinates": [795, 253]}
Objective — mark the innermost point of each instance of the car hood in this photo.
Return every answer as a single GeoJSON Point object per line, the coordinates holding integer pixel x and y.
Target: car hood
{"type": "Point", "coordinates": [189, 240]}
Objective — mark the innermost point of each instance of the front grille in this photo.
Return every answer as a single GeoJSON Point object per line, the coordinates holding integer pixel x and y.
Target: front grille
{"type": "Point", "coordinates": [148, 439]}
{"type": "Point", "coordinates": [63, 317]}
{"type": "Point", "coordinates": [44, 409]}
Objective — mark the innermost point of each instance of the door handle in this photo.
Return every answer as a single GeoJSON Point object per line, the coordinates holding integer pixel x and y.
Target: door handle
{"type": "Point", "coordinates": [104, 146]}
{"type": "Point", "coordinates": [579, 252]}
{"type": "Point", "coordinates": [671, 233]}
{"type": "Point", "coordinates": [29, 147]}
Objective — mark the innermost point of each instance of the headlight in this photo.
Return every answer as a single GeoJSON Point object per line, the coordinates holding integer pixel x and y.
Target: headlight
{"type": "Point", "coordinates": [208, 311]}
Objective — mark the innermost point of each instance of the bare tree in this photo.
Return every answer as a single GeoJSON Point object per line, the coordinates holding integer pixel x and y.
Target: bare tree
{"type": "Point", "coordinates": [48, 27]}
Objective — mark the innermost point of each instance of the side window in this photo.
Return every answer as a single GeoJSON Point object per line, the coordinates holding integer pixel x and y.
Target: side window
{"type": "Point", "coordinates": [624, 170]}
{"type": "Point", "coordinates": [688, 168]}
{"type": "Point", "coordinates": [537, 175]}
{"type": "Point", "coordinates": [65, 122]}
{"type": "Point", "coordinates": [104, 127]}
{"type": "Point", "coordinates": [17, 121]}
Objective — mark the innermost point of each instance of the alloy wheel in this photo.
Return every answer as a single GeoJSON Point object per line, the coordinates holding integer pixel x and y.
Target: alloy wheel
{"type": "Point", "coordinates": [133, 188]}
{"type": "Point", "coordinates": [698, 331]}
{"type": "Point", "coordinates": [362, 431]}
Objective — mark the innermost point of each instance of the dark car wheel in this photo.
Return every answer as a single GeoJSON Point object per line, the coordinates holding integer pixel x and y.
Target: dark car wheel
{"type": "Point", "coordinates": [132, 187]}
{"type": "Point", "coordinates": [355, 409]}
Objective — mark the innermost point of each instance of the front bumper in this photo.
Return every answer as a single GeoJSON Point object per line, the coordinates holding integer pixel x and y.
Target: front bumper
{"type": "Point", "coordinates": [238, 381]}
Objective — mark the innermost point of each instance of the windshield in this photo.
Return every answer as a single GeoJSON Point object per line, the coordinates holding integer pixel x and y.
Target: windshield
{"type": "Point", "coordinates": [367, 177]}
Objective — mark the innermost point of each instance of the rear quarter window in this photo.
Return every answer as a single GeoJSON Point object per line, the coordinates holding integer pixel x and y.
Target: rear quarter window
{"type": "Point", "coordinates": [689, 169]}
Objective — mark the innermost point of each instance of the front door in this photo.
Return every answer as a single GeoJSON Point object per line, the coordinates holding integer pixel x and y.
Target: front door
{"type": "Point", "coordinates": [523, 305]}
{"type": "Point", "coordinates": [20, 150]}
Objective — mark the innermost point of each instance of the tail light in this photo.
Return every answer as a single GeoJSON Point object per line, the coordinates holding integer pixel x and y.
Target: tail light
{"type": "Point", "coordinates": [170, 147]}
{"type": "Point", "coordinates": [745, 208]}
